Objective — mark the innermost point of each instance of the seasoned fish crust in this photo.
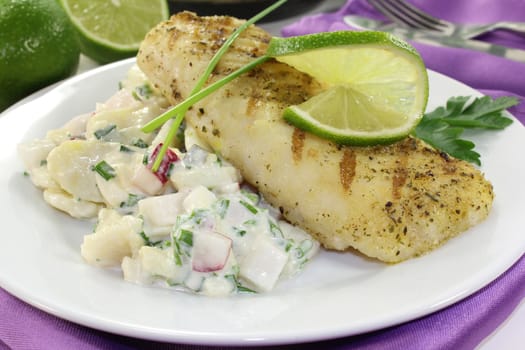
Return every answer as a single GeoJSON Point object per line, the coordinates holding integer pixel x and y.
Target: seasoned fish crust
{"type": "Point", "coordinates": [389, 202]}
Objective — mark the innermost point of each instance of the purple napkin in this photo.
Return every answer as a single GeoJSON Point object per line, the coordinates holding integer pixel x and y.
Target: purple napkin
{"type": "Point", "coordinates": [461, 326]}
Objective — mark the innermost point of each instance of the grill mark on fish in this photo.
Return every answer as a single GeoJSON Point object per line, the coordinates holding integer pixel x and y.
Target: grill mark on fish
{"type": "Point", "coordinates": [400, 176]}
{"type": "Point", "coordinates": [297, 144]}
{"type": "Point", "coordinates": [251, 105]}
{"type": "Point", "coordinates": [347, 169]}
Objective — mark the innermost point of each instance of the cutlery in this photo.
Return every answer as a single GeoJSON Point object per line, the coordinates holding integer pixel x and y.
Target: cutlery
{"type": "Point", "coordinates": [431, 38]}
{"type": "Point", "coordinates": [406, 14]}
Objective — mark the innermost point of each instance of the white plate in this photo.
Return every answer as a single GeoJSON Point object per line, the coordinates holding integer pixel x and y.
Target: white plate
{"type": "Point", "coordinates": [337, 295]}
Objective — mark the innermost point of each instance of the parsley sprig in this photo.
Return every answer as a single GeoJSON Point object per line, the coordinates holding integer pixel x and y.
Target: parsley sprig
{"type": "Point", "coordinates": [443, 127]}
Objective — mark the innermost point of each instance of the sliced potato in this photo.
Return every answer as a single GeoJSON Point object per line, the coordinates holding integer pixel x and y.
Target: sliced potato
{"type": "Point", "coordinates": [111, 190]}
{"type": "Point", "coordinates": [73, 129]}
{"type": "Point", "coordinates": [115, 237]}
{"type": "Point", "coordinates": [34, 153]}
{"type": "Point", "coordinates": [70, 165]}
{"type": "Point", "coordinates": [41, 178]}
{"type": "Point", "coordinates": [157, 262]}
{"type": "Point", "coordinates": [105, 124]}
{"type": "Point", "coordinates": [122, 125]}
{"type": "Point", "coordinates": [77, 208]}
{"type": "Point", "coordinates": [117, 189]}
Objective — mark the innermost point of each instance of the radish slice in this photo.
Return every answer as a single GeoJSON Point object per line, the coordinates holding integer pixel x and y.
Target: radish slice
{"type": "Point", "coordinates": [162, 172]}
{"type": "Point", "coordinates": [146, 181]}
{"type": "Point", "coordinates": [210, 251]}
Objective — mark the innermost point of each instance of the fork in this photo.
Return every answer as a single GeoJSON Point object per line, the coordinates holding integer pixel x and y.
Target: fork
{"type": "Point", "coordinates": [404, 13]}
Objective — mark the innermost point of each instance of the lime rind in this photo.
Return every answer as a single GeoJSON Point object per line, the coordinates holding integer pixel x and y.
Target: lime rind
{"type": "Point", "coordinates": [298, 44]}
{"type": "Point", "coordinates": [376, 85]}
{"type": "Point", "coordinates": [303, 121]}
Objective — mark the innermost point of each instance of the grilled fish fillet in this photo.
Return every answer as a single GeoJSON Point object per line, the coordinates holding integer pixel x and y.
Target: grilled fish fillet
{"type": "Point", "coordinates": [389, 202]}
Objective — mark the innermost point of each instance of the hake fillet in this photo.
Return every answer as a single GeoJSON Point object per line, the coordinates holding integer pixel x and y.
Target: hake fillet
{"type": "Point", "coordinates": [388, 202]}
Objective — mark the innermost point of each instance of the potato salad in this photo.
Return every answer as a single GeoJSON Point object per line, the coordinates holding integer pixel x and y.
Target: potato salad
{"type": "Point", "coordinates": [192, 225]}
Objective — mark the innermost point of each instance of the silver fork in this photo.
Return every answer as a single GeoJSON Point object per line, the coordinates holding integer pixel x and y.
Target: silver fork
{"type": "Point", "coordinates": [404, 13]}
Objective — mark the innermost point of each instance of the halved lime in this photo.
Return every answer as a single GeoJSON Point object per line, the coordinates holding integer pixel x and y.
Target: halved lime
{"type": "Point", "coordinates": [113, 29]}
{"type": "Point", "coordinates": [377, 85]}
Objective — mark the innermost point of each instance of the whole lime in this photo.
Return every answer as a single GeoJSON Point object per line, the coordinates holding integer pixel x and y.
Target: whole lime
{"type": "Point", "coordinates": [38, 46]}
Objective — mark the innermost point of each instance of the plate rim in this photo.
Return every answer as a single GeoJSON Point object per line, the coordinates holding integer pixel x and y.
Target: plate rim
{"type": "Point", "coordinates": [92, 321]}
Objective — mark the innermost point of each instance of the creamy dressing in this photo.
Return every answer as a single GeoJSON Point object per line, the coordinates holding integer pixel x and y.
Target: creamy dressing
{"type": "Point", "coordinates": [192, 225]}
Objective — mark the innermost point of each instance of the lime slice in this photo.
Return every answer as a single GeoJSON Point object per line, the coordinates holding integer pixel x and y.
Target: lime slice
{"type": "Point", "coordinates": [113, 29]}
{"type": "Point", "coordinates": [376, 85]}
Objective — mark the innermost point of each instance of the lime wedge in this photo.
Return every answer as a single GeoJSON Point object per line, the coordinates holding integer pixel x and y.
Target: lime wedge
{"type": "Point", "coordinates": [376, 85]}
{"type": "Point", "coordinates": [113, 29]}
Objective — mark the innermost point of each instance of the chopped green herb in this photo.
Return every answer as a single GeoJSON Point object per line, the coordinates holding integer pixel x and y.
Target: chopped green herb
{"type": "Point", "coordinates": [239, 231]}
{"type": "Point", "coordinates": [222, 207]}
{"type": "Point", "coordinates": [198, 215]}
{"type": "Point", "coordinates": [178, 259]}
{"type": "Point", "coordinates": [180, 136]}
{"type": "Point", "coordinates": [251, 222]}
{"type": "Point", "coordinates": [219, 160]}
{"type": "Point", "coordinates": [248, 206]}
{"type": "Point", "coordinates": [177, 253]}
{"type": "Point", "coordinates": [148, 241]}
{"type": "Point", "coordinates": [243, 289]}
{"type": "Point", "coordinates": [173, 283]}
{"type": "Point", "coordinates": [43, 162]}
{"type": "Point", "coordinates": [125, 149]}
{"type": "Point", "coordinates": [142, 92]}
{"type": "Point", "coordinates": [443, 127]}
{"type": "Point", "coordinates": [100, 133]}
{"type": "Point", "coordinates": [145, 238]}
{"type": "Point", "coordinates": [105, 170]}
{"type": "Point", "coordinates": [252, 196]}
{"type": "Point", "coordinates": [275, 229]}
{"type": "Point", "coordinates": [170, 169]}
{"type": "Point", "coordinates": [140, 143]}
{"type": "Point", "coordinates": [186, 236]}
{"type": "Point", "coordinates": [131, 201]}
{"type": "Point", "coordinates": [240, 288]}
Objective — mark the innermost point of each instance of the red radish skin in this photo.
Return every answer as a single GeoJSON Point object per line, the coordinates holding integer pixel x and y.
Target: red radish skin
{"type": "Point", "coordinates": [164, 167]}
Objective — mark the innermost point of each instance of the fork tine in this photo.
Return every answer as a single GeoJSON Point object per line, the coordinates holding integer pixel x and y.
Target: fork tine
{"type": "Point", "coordinates": [399, 15]}
{"type": "Point", "coordinates": [401, 11]}
{"type": "Point", "coordinates": [417, 13]}
{"type": "Point", "coordinates": [394, 14]}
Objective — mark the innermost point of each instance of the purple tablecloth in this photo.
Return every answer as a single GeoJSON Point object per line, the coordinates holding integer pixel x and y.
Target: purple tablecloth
{"type": "Point", "coordinates": [460, 326]}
